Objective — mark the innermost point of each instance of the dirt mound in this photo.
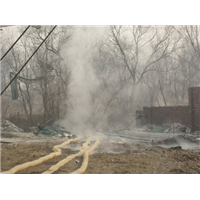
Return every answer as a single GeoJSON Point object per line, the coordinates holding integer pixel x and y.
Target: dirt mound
{"type": "Point", "coordinates": [7, 126]}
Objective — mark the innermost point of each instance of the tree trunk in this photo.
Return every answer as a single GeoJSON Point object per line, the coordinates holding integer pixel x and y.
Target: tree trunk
{"type": "Point", "coordinates": [23, 101]}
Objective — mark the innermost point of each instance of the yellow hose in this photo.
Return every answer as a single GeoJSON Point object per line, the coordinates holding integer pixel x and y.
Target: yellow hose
{"type": "Point", "coordinates": [84, 165]}
{"type": "Point", "coordinates": [67, 159]}
{"type": "Point", "coordinates": [57, 152]}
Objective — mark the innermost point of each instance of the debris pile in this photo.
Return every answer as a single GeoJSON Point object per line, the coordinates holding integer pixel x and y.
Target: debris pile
{"type": "Point", "coordinates": [176, 148]}
{"type": "Point", "coordinates": [178, 127]}
{"type": "Point", "coordinates": [50, 131]}
{"type": "Point", "coordinates": [176, 140]}
{"type": "Point", "coordinates": [7, 126]}
{"type": "Point", "coordinates": [156, 128]}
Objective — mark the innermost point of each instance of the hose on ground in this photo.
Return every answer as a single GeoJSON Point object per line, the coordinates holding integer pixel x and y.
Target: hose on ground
{"type": "Point", "coordinates": [67, 159]}
{"type": "Point", "coordinates": [84, 165]}
{"type": "Point", "coordinates": [57, 152]}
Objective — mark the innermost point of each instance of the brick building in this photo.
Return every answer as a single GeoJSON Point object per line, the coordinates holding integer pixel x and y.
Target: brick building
{"type": "Point", "coordinates": [188, 115]}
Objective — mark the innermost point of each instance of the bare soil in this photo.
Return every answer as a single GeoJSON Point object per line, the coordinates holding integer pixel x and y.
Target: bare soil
{"type": "Point", "coordinates": [153, 160]}
{"type": "Point", "coordinates": [111, 158]}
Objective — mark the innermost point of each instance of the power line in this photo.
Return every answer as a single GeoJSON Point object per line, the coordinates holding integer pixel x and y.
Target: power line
{"type": "Point", "coordinates": [28, 60]}
{"type": "Point", "coordinates": [15, 43]}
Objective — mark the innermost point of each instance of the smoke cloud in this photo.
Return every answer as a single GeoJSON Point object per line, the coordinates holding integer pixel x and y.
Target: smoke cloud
{"type": "Point", "coordinates": [77, 53]}
{"type": "Point", "coordinates": [94, 100]}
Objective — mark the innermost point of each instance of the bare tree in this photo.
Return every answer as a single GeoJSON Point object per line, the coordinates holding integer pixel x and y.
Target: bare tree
{"type": "Point", "coordinates": [191, 35]}
{"type": "Point", "coordinates": [47, 66]}
{"type": "Point", "coordinates": [146, 46]}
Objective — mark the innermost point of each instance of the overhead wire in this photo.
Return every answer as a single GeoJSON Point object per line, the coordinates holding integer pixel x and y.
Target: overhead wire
{"type": "Point", "coordinates": [15, 42]}
{"type": "Point", "coordinates": [28, 60]}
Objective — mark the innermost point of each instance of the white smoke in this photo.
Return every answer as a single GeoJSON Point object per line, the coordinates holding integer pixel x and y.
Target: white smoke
{"type": "Point", "coordinates": [77, 54]}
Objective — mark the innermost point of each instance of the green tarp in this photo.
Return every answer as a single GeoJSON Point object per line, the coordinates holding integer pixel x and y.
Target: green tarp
{"type": "Point", "coordinates": [51, 131]}
{"type": "Point", "coordinates": [14, 88]}
{"type": "Point", "coordinates": [156, 128]}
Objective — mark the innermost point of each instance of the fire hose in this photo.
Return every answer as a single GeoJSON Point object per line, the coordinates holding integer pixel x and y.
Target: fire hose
{"type": "Point", "coordinates": [57, 152]}
{"type": "Point", "coordinates": [84, 165]}
{"type": "Point", "coordinates": [67, 159]}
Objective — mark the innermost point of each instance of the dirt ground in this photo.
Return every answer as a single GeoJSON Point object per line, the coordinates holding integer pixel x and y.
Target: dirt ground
{"type": "Point", "coordinates": [110, 158]}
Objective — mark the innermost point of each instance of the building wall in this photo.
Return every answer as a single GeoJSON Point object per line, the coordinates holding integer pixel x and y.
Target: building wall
{"type": "Point", "coordinates": [194, 107]}
{"type": "Point", "coordinates": [167, 115]}
{"type": "Point", "coordinates": [188, 115]}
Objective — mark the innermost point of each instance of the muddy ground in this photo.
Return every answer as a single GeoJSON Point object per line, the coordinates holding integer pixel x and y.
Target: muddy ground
{"type": "Point", "coordinates": [108, 158]}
